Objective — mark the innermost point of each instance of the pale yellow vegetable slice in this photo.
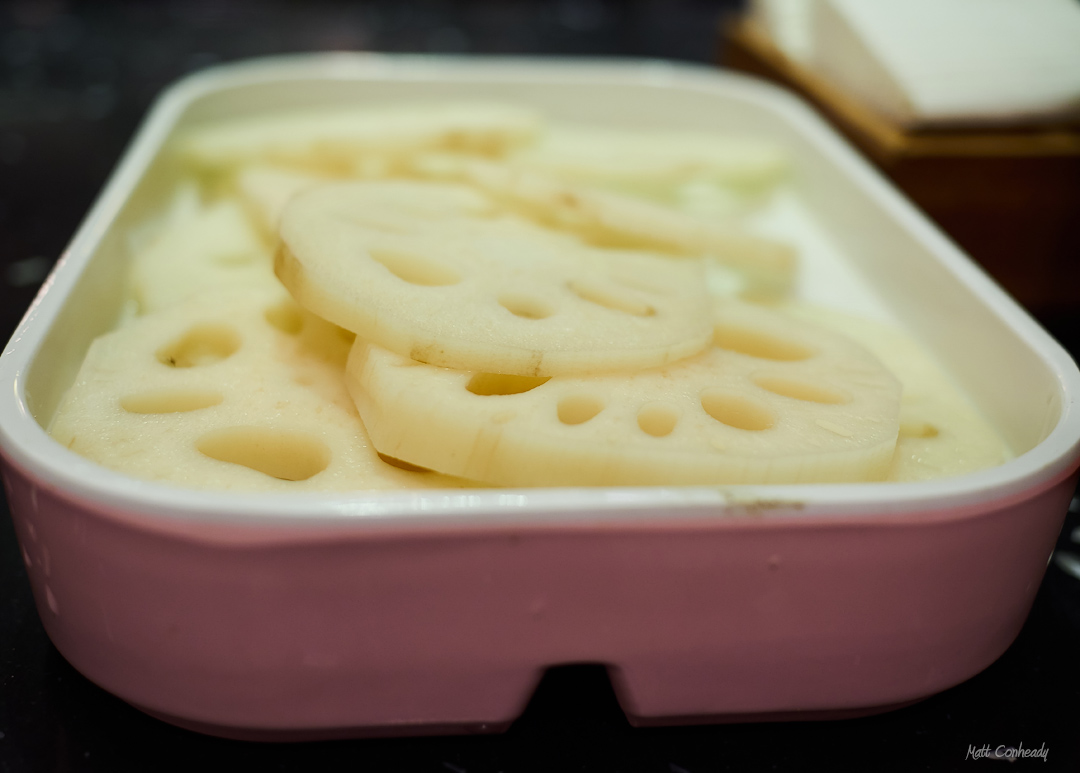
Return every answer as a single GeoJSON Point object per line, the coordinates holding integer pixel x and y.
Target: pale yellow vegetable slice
{"type": "Point", "coordinates": [611, 219]}
{"type": "Point", "coordinates": [236, 390]}
{"type": "Point", "coordinates": [343, 138]}
{"type": "Point", "coordinates": [774, 400]}
{"type": "Point", "coordinates": [646, 160]}
{"type": "Point", "coordinates": [198, 248]}
{"type": "Point", "coordinates": [265, 190]}
{"type": "Point", "coordinates": [434, 272]}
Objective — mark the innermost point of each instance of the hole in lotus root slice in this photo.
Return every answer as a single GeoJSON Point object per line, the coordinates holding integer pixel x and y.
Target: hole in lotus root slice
{"type": "Point", "coordinates": [401, 464]}
{"type": "Point", "coordinates": [611, 297]}
{"type": "Point", "coordinates": [170, 400]}
{"type": "Point", "coordinates": [286, 317]}
{"type": "Point", "coordinates": [578, 409]}
{"type": "Point", "coordinates": [282, 454]}
{"type": "Point", "coordinates": [802, 390]}
{"type": "Point", "coordinates": [755, 343]}
{"type": "Point", "coordinates": [201, 345]}
{"type": "Point", "coordinates": [737, 411]}
{"type": "Point", "coordinates": [415, 269]}
{"type": "Point", "coordinates": [657, 419]}
{"type": "Point", "coordinates": [485, 384]}
{"type": "Point", "coordinates": [918, 429]}
{"type": "Point", "coordinates": [526, 307]}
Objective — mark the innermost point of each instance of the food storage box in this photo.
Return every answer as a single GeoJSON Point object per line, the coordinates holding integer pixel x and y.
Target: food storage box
{"type": "Point", "coordinates": [416, 612]}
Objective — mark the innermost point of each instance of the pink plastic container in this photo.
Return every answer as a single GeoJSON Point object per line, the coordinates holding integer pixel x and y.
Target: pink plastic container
{"type": "Point", "coordinates": [320, 616]}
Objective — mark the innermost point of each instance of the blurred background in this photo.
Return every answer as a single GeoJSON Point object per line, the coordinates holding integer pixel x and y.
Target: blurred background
{"type": "Point", "coordinates": [76, 78]}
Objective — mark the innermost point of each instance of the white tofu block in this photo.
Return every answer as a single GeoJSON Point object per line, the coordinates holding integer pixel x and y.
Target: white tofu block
{"type": "Point", "coordinates": [953, 61]}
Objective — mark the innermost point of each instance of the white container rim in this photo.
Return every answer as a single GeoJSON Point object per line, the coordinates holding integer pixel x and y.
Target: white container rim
{"type": "Point", "coordinates": [27, 445]}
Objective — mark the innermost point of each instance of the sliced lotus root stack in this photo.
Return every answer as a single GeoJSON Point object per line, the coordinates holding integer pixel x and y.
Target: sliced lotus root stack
{"type": "Point", "coordinates": [235, 390]}
{"type": "Point", "coordinates": [612, 219]}
{"type": "Point", "coordinates": [436, 273]}
{"type": "Point", "coordinates": [772, 401]}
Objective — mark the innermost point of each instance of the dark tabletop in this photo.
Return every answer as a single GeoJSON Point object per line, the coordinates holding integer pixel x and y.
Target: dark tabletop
{"type": "Point", "coordinates": [76, 78]}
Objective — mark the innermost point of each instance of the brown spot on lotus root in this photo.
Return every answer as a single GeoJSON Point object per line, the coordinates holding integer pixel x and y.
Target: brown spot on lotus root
{"type": "Point", "coordinates": [568, 199]}
{"type": "Point", "coordinates": [199, 346]}
{"type": "Point", "coordinates": [283, 454]}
